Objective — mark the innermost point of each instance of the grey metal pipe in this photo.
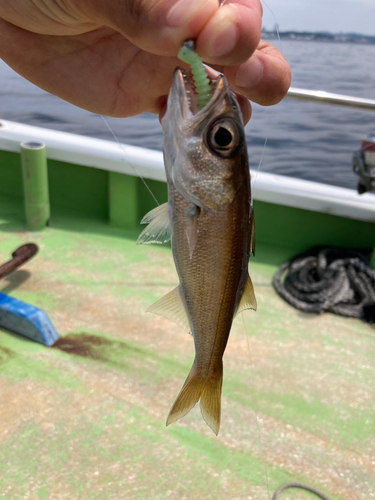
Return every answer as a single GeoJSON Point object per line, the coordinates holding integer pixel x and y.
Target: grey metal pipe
{"type": "Point", "coordinates": [323, 97]}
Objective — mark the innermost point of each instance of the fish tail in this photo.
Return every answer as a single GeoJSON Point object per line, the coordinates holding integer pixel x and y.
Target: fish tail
{"type": "Point", "coordinates": [210, 401]}
{"type": "Point", "coordinates": [196, 388]}
{"type": "Point", "coordinates": [188, 397]}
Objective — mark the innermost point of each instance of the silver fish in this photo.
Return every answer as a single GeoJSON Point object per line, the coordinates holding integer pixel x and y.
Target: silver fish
{"type": "Point", "coordinates": [209, 219]}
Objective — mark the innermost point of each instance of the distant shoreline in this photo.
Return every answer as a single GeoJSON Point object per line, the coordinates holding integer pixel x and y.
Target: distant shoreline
{"type": "Point", "coordinates": [319, 37]}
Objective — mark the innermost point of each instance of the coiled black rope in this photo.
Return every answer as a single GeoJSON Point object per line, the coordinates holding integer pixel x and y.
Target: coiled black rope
{"type": "Point", "coordinates": [329, 279]}
{"type": "Point", "coordinates": [301, 486]}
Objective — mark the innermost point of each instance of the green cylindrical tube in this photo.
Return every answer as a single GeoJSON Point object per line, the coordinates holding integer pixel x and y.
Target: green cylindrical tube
{"type": "Point", "coordinates": [35, 185]}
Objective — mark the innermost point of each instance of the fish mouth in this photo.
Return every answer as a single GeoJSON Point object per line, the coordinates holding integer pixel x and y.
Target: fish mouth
{"type": "Point", "coordinates": [183, 91]}
{"type": "Point", "coordinates": [190, 92]}
{"type": "Point", "coordinates": [182, 107]}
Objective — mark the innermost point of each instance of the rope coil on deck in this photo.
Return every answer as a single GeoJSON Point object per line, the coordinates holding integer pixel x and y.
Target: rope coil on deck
{"type": "Point", "coordinates": [329, 279]}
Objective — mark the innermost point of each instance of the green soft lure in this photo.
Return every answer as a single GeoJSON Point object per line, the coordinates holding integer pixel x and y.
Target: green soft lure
{"type": "Point", "coordinates": [200, 78]}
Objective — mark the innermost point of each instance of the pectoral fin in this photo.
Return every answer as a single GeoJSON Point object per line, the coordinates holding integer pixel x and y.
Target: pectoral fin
{"type": "Point", "coordinates": [172, 307]}
{"type": "Point", "coordinates": [248, 300]}
{"type": "Point", "coordinates": [154, 213]}
{"type": "Point", "coordinates": [159, 226]}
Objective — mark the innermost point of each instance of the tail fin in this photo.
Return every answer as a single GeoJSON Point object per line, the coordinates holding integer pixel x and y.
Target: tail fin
{"type": "Point", "coordinates": [211, 401]}
{"type": "Point", "coordinates": [209, 393]}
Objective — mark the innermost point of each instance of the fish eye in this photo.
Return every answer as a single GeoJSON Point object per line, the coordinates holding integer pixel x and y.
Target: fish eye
{"type": "Point", "coordinates": [223, 137]}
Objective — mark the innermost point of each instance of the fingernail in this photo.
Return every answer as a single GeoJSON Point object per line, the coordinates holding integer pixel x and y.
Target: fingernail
{"type": "Point", "coordinates": [250, 73]}
{"type": "Point", "coordinates": [184, 10]}
{"type": "Point", "coordinates": [225, 34]}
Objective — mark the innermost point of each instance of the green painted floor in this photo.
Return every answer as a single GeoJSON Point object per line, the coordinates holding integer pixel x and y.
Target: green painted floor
{"type": "Point", "coordinates": [86, 419]}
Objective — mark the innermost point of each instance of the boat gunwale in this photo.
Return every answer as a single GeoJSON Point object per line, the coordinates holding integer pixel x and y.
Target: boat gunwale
{"type": "Point", "coordinates": [135, 161]}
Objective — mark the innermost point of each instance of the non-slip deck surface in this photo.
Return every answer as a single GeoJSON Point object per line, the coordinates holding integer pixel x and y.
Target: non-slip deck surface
{"type": "Point", "coordinates": [86, 419]}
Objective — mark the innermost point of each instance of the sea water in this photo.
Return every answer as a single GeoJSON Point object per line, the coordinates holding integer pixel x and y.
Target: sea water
{"type": "Point", "coordinates": [304, 140]}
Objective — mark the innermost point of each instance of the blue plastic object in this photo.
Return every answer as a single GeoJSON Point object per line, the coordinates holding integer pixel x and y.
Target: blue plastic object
{"type": "Point", "coordinates": [26, 320]}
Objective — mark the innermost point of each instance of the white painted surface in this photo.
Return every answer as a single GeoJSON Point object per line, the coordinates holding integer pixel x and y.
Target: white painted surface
{"type": "Point", "coordinates": [328, 98]}
{"type": "Point", "coordinates": [106, 155]}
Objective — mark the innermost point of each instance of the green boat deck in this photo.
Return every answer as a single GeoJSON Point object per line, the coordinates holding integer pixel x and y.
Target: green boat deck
{"type": "Point", "coordinates": [86, 418]}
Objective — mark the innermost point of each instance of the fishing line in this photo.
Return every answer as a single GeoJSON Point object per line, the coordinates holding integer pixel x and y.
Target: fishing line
{"type": "Point", "coordinates": [276, 25]}
{"type": "Point", "coordinates": [291, 484]}
{"type": "Point", "coordinates": [284, 486]}
{"type": "Point", "coordinates": [273, 109]}
{"type": "Point", "coordinates": [132, 164]}
{"type": "Point", "coordinates": [259, 432]}
{"type": "Point", "coordinates": [261, 158]}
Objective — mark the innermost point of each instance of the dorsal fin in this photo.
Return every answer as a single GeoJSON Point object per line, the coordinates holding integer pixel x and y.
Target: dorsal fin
{"type": "Point", "coordinates": [172, 307]}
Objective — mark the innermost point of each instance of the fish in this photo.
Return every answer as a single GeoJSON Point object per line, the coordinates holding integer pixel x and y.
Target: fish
{"type": "Point", "coordinates": [209, 219]}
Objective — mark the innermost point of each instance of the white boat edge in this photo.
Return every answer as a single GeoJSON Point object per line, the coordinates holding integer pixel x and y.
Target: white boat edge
{"type": "Point", "coordinates": [136, 161]}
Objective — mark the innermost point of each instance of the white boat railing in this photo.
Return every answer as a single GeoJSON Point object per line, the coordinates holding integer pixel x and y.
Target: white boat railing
{"type": "Point", "coordinates": [322, 97]}
{"type": "Point", "coordinates": [135, 161]}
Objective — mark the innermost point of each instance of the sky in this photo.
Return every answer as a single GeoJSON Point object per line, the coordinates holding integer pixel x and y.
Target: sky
{"type": "Point", "coordinates": [336, 16]}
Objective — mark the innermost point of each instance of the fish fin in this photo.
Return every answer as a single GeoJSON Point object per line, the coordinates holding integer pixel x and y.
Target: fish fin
{"type": "Point", "coordinates": [252, 232]}
{"type": "Point", "coordinates": [247, 300]}
{"type": "Point", "coordinates": [192, 229]}
{"type": "Point", "coordinates": [172, 307]}
{"type": "Point", "coordinates": [154, 213]}
{"type": "Point", "coordinates": [188, 396]}
{"type": "Point", "coordinates": [159, 226]}
{"type": "Point", "coordinates": [209, 393]}
{"type": "Point", "coordinates": [210, 401]}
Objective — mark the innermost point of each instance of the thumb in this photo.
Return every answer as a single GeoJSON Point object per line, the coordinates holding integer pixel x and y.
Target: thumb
{"type": "Point", "coordinates": [156, 26]}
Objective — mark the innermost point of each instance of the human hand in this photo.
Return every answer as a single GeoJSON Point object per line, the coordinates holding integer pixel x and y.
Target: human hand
{"type": "Point", "coordinates": [117, 57]}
